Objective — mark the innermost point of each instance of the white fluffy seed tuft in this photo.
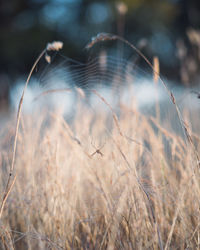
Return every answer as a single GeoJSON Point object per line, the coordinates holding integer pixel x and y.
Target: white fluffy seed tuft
{"type": "Point", "coordinates": [56, 46]}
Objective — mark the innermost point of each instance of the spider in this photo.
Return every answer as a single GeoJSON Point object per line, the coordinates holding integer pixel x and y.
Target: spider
{"type": "Point", "coordinates": [98, 150]}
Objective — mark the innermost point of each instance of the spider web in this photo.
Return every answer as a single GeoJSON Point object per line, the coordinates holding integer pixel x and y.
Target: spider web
{"type": "Point", "coordinates": [111, 76]}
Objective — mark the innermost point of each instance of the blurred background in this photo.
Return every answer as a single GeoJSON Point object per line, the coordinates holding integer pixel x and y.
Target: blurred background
{"type": "Point", "coordinates": [166, 28]}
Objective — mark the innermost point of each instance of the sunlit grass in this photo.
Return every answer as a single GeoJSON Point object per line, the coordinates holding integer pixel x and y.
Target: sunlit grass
{"type": "Point", "coordinates": [86, 185]}
{"type": "Point", "coordinates": [111, 178]}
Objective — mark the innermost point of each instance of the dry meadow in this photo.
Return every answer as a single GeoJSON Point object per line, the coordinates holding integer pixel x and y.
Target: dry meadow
{"type": "Point", "coordinates": [102, 180]}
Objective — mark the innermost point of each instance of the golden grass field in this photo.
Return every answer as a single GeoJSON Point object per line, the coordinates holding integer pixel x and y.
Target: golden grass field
{"type": "Point", "coordinates": [101, 181]}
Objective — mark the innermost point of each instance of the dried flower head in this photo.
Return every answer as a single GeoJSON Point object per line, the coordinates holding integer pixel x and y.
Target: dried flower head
{"type": "Point", "coordinates": [56, 45]}
{"type": "Point", "coordinates": [122, 8]}
{"type": "Point", "coordinates": [194, 36]}
{"type": "Point", "coordinates": [100, 37]}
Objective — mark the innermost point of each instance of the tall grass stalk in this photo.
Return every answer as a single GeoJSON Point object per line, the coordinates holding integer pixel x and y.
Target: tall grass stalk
{"type": "Point", "coordinates": [137, 190]}
{"type": "Point", "coordinates": [10, 181]}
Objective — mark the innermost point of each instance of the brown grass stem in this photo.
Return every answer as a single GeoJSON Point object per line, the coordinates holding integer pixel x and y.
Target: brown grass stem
{"type": "Point", "coordinates": [9, 185]}
{"type": "Point", "coordinates": [106, 37]}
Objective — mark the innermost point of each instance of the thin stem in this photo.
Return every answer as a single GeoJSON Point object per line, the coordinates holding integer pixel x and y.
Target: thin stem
{"type": "Point", "coordinates": [9, 184]}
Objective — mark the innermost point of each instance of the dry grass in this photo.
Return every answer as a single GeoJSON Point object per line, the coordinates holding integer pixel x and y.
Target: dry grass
{"type": "Point", "coordinates": [102, 181]}
{"type": "Point", "coordinates": [82, 186]}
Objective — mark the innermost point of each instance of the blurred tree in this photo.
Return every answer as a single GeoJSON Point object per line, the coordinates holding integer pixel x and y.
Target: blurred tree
{"type": "Point", "coordinates": [27, 25]}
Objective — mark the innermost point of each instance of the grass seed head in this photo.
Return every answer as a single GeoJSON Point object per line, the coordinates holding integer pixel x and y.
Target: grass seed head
{"type": "Point", "coordinates": [54, 46]}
